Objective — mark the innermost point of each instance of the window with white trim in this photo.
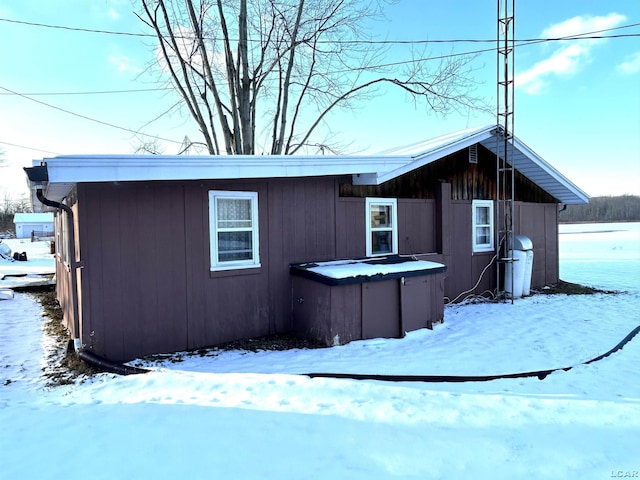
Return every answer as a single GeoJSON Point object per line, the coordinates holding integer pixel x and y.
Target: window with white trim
{"type": "Point", "coordinates": [62, 237]}
{"type": "Point", "coordinates": [382, 226]}
{"type": "Point", "coordinates": [482, 230]}
{"type": "Point", "coordinates": [233, 223]}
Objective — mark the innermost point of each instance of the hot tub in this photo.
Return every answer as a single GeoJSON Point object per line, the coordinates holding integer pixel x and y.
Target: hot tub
{"type": "Point", "coordinates": [335, 302]}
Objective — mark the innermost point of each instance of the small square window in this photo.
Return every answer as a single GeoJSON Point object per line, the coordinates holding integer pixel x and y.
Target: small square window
{"type": "Point", "coordinates": [382, 226]}
{"type": "Point", "coordinates": [234, 230]}
{"type": "Point", "coordinates": [482, 229]}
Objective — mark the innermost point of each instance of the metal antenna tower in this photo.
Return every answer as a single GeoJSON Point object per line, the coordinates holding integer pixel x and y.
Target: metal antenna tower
{"type": "Point", "coordinates": [505, 173]}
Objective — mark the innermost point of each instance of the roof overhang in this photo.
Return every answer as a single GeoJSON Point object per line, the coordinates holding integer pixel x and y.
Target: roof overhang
{"type": "Point", "coordinates": [522, 158]}
{"type": "Point", "coordinates": [64, 172]}
{"type": "Point", "coordinates": [57, 176]}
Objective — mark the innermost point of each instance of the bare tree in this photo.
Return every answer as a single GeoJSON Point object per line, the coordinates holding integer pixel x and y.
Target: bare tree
{"type": "Point", "coordinates": [276, 68]}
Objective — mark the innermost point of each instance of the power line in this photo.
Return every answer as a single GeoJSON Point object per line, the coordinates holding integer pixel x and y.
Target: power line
{"type": "Point", "coordinates": [76, 29]}
{"type": "Point", "coordinates": [371, 42]}
{"type": "Point", "coordinates": [28, 148]}
{"type": "Point", "coordinates": [88, 118]}
{"type": "Point", "coordinates": [519, 43]}
{"type": "Point", "coordinates": [102, 92]}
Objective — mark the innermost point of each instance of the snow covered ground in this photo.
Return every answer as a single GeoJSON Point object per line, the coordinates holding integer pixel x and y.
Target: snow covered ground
{"type": "Point", "coordinates": [243, 415]}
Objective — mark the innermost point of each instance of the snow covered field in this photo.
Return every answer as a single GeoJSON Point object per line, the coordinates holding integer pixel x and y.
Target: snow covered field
{"type": "Point", "coordinates": [242, 415]}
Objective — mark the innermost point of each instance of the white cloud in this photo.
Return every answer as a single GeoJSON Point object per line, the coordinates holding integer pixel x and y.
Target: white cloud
{"type": "Point", "coordinates": [571, 56]}
{"type": "Point", "coordinates": [631, 65]}
{"type": "Point", "coordinates": [583, 24]}
{"type": "Point", "coordinates": [113, 14]}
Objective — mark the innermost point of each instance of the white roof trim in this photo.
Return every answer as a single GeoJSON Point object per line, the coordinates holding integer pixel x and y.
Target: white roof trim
{"type": "Point", "coordinates": [525, 160]}
{"type": "Point", "coordinates": [66, 171]}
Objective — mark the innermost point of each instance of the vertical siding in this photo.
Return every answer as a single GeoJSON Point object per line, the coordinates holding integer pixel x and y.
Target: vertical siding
{"type": "Point", "coordinates": [196, 217]}
{"type": "Point", "coordinates": [539, 222]}
{"type": "Point", "coordinates": [459, 270]}
{"type": "Point", "coordinates": [236, 303]}
{"type": "Point", "coordinates": [350, 228]}
{"type": "Point", "coordinates": [416, 226]}
{"type": "Point", "coordinates": [147, 285]}
{"type": "Point", "coordinates": [63, 286]}
{"type": "Point", "coordinates": [134, 275]}
{"type": "Point", "coordinates": [90, 226]}
{"type": "Point", "coordinates": [552, 268]}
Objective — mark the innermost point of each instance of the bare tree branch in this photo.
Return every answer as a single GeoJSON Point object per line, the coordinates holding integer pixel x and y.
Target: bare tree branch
{"type": "Point", "coordinates": [279, 68]}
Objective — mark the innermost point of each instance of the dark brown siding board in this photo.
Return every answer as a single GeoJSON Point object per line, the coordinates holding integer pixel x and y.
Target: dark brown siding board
{"type": "Point", "coordinates": [279, 280]}
{"type": "Point", "coordinates": [486, 281]}
{"type": "Point", "coordinates": [112, 312]}
{"type": "Point", "coordinates": [460, 268]}
{"type": "Point", "coordinates": [350, 228]}
{"type": "Point", "coordinates": [416, 226]}
{"type": "Point", "coordinates": [169, 231]}
{"type": "Point", "coordinates": [282, 218]}
{"type": "Point", "coordinates": [552, 256]}
{"type": "Point", "coordinates": [443, 219]}
{"type": "Point", "coordinates": [148, 253]}
{"type": "Point", "coordinates": [197, 261]}
{"type": "Point", "coordinates": [299, 223]}
{"type": "Point", "coordinates": [92, 272]}
{"type": "Point", "coordinates": [131, 241]}
{"type": "Point", "coordinates": [532, 225]}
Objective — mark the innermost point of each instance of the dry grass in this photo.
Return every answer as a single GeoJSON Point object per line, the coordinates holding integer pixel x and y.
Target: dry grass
{"type": "Point", "coordinates": [63, 366]}
{"type": "Point", "coordinates": [568, 288]}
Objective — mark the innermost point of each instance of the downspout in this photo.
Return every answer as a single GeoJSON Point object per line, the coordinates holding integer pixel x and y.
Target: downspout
{"type": "Point", "coordinates": [73, 264]}
{"type": "Point", "coordinates": [37, 176]}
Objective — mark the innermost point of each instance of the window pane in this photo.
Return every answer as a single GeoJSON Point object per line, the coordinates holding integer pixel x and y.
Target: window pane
{"type": "Point", "coordinates": [381, 242]}
{"type": "Point", "coordinates": [380, 216]}
{"type": "Point", "coordinates": [482, 215]}
{"type": "Point", "coordinates": [234, 213]}
{"type": "Point", "coordinates": [483, 236]}
{"type": "Point", "coordinates": [234, 246]}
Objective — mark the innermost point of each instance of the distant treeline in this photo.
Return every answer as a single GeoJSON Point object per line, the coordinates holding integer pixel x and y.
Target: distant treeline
{"type": "Point", "coordinates": [624, 208]}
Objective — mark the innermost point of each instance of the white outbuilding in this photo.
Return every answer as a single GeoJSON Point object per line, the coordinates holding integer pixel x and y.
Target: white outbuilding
{"type": "Point", "coordinates": [40, 224]}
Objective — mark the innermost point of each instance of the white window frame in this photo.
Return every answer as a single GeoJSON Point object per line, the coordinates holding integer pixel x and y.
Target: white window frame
{"type": "Point", "coordinates": [62, 238]}
{"type": "Point", "coordinates": [482, 247]}
{"type": "Point", "coordinates": [393, 228]}
{"type": "Point", "coordinates": [254, 262]}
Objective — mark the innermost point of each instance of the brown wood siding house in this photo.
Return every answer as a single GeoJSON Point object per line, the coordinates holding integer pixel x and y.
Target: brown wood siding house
{"type": "Point", "coordinates": [148, 268]}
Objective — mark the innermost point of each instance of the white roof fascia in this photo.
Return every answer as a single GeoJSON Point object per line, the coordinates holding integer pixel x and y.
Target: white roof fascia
{"type": "Point", "coordinates": [109, 168]}
{"type": "Point", "coordinates": [453, 144]}
{"type": "Point", "coordinates": [66, 171]}
{"type": "Point", "coordinates": [540, 172]}
{"type": "Point", "coordinates": [553, 173]}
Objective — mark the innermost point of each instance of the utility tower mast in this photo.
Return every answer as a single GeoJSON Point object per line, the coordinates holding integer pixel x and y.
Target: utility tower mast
{"type": "Point", "coordinates": [505, 172]}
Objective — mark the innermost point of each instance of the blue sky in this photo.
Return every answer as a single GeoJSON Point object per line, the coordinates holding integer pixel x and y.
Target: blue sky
{"type": "Point", "coordinates": [577, 103]}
